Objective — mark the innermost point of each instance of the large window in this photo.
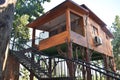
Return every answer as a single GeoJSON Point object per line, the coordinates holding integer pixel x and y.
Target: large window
{"type": "Point", "coordinates": [57, 30]}
{"type": "Point", "coordinates": [55, 26]}
{"type": "Point", "coordinates": [77, 24]}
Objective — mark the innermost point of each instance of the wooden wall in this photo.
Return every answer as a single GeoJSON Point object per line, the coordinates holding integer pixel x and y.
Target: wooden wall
{"type": "Point", "coordinates": [105, 48]}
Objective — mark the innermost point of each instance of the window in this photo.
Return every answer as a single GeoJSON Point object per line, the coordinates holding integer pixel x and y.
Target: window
{"type": "Point", "coordinates": [95, 31]}
{"type": "Point", "coordinates": [107, 37]}
{"type": "Point", "coordinates": [77, 24]}
{"type": "Point", "coordinates": [57, 31]}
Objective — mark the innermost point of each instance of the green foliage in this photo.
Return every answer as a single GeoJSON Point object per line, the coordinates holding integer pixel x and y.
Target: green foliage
{"type": "Point", "coordinates": [26, 10]}
{"type": "Point", "coordinates": [33, 8]}
{"type": "Point", "coordinates": [116, 41]}
{"type": "Point", "coordinates": [20, 33]}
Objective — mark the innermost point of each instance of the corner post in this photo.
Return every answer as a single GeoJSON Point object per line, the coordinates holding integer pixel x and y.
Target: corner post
{"type": "Point", "coordinates": [70, 64]}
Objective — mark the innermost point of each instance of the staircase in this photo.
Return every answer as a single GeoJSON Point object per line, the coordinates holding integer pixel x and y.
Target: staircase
{"type": "Point", "coordinates": [29, 63]}
{"type": "Point", "coordinates": [26, 58]}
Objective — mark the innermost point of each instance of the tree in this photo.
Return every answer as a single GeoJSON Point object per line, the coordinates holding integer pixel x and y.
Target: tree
{"type": "Point", "coordinates": [20, 34]}
{"type": "Point", "coordinates": [116, 41]}
{"type": "Point", "coordinates": [6, 18]}
{"type": "Point", "coordinates": [33, 8]}
{"type": "Point", "coordinates": [26, 10]}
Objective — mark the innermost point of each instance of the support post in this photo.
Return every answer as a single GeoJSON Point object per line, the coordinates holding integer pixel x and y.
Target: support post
{"type": "Point", "coordinates": [88, 58]}
{"type": "Point", "coordinates": [70, 64]}
{"type": "Point", "coordinates": [112, 64]}
{"type": "Point", "coordinates": [106, 64]}
{"type": "Point", "coordinates": [50, 67]}
{"type": "Point", "coordinates": [31, 76]}
{"type": "Point", "coordinates": [33, 44]}
{"type": "Point", "coordinates": [82, 50]}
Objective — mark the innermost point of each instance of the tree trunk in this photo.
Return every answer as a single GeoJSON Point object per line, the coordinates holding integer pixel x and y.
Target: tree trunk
{"type": "Point", "coordinates": [6, 18]}
{"type": "Point", "coordinates": [12, 69]}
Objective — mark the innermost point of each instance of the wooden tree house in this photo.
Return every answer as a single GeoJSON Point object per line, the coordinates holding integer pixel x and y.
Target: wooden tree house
{"type": "Point", "coordinates": [74, 32]}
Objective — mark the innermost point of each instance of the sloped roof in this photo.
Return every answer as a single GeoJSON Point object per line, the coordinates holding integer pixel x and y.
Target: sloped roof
{"type": "Point", "coordinates": [55, 11]}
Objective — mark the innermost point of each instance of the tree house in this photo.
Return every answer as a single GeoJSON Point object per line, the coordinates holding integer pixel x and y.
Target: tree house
{"type": "Point", "coordinates": [74, 32]}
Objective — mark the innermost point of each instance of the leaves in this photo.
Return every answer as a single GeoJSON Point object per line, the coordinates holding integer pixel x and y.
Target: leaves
{"type": "Point", "coordinates": [30, 7]}
{"type": "Point", "coordinates": [20, 33]}
{"type": "Point", "coordinates": [26, 10]}
{"type": "Point", "coordinates": [116, 41]}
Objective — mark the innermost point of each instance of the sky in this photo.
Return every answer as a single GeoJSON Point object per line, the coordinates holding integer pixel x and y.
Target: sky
{"type": "Point", "coordinates": [106, 10]}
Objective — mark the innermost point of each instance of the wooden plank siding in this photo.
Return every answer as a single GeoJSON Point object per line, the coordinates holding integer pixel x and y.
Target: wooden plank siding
{"type": "Point", "coordinates": [105, 48]}
{"type": "Point", "coordinates": [78, 39]}
{"type": "Point", "coordinates": [53, 41]}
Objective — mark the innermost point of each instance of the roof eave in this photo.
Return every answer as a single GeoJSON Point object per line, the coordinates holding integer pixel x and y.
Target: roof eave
{"type": "Point", "coordinates": [61, 6]}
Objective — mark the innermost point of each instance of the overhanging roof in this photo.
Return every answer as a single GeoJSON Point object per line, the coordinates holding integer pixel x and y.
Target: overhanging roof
{"type": "Point", "coordinates": [53, 13]}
